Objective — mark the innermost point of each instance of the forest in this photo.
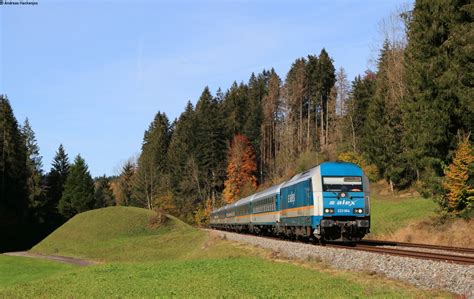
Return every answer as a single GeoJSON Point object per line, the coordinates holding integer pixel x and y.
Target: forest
{"type": "Point", "coordinates": [409, 122]}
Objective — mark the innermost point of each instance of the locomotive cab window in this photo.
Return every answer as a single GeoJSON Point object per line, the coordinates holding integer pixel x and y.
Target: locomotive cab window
{"type": "Point", "coordinates": [342, 184]}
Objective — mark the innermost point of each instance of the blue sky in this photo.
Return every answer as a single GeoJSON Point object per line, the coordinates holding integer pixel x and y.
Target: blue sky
{"type": "Point", "coordinates": [92, 74]}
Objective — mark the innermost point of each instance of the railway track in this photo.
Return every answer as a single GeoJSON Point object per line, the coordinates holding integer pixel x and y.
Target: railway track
{"type": "Point", "coordinates": [417, 245]}
{"type": "Point", "coordinates": [450, 258]}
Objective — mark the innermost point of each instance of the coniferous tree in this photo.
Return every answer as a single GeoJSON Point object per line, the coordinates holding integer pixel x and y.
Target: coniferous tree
{"type": "Point", "coordinates": [257, 89]}
{"type": "Point", "coordinates": [296, 90]}
{"type": "Point", "coordinates": [185, 180]}
{"type": "Point", "coordinates": [78, 195]}
{"type": "Point", "coordinates": [124, 189]}
{"type": "Point", "coordinates": [384, 125]}
{"type": "Point", "coordinates": [211, 148]}
{"type": "Point", "coordinates": [13, 169]}
{"type": "Point", "coordinates": [55, 181]}
{"type": "Point", "coordinates": [152, 172]}
{"type": "Point", "coordinates": [104, 197]}
{"type": "Point", "coordinates": [439, 82]}
{"type": "Point", "coordinates": [36, 192]}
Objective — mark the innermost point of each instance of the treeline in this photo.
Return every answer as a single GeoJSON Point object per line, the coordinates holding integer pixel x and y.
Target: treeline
{"type": "Point", "coordinates": [401, 122]}
{"type": "Point", "coordinates": [33, 203]}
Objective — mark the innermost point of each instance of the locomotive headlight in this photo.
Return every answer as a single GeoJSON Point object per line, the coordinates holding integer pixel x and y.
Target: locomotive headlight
{"type": "Point", "coordinates": [358, 211]}
{"type": "Point", "coordinates": [328, 210]}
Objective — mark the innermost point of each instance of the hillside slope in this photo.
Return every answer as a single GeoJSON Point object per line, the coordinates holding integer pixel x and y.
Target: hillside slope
{"type": "Point", "coordinates": [121, 234]}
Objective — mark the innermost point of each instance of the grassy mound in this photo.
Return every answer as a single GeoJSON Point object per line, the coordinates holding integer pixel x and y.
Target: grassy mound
{"type": "Point", "coordinates": [121, 234]}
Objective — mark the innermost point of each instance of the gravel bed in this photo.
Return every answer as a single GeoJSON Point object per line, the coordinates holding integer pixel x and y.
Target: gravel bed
{"type": "Point", "coordinates": [425, 274]}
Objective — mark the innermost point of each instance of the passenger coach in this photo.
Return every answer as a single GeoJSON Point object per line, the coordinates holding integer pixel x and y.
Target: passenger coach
{"type": "Point", "coordinates": [327, 202]}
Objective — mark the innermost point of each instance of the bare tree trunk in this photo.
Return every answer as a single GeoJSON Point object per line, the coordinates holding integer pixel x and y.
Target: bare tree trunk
{"type": "Point", "coordinates": [308, 141]}
{"type": "Point", "coordinates": [353, 133]}
{"type": "Point", "coordinates": [327, 125]}
{"type": "Point", "coordinates": [322, 141]}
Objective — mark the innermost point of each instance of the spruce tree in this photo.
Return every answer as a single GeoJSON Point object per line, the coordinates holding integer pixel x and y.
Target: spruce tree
{"type": "Point", "coordinates": [36, 192]}
{"type": "Point", "coordinates": [439, 79]}
{"type": "Point", "coordinates": [78, 195]}
{"type": "Point", "coordinates": [384, 126]}
{"type": "Point", "coordinates": [211, 148]}
{"type": "Point", "coordinates": [152, 172]}
{"type": "Point", "coordinates": [185, 181]}
{"type": "Point", "coordinates": [13, 169]}
{"type": "Point", "coordinates": [55, 181]}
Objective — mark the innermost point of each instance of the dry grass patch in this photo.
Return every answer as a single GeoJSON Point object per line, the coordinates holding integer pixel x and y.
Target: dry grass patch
{"type": "Point", "coordinates": [458, 233]}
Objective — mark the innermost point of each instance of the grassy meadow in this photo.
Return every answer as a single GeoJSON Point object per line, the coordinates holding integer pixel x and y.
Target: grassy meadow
{"type": "Point", "coordinates": [174, 259]}
{"type": "Point", "coordinates": [390, 213]}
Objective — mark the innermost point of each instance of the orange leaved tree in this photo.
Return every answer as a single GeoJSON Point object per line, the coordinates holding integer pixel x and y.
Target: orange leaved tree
{"type": "Point", "coordinates": [241, 168]}
{"type": "Point", "coordinates": [458, 181]}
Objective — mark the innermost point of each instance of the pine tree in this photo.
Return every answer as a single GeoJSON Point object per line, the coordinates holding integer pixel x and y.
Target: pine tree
{"type": "Point", "coordinates": [78, 195]}
{"type": "Point", "coordinates": [459, 179]}
{"type": "Point", "coordinates": [55, 181]}
{"type": "Point", "coordinates": [13, 169]}
{"type": "Point", "coordinates": [104, 197]}
{"type": "Point", "coordinates": [241, 169]}
{"type": "Point", "coordinates": [153, 168]}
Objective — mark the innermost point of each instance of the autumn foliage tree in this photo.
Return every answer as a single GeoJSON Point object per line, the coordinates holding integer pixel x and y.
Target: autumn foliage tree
{"type": "Point", "coordinates": [459, 179]}
{"type": "Point", "coordinates": [241, 169]}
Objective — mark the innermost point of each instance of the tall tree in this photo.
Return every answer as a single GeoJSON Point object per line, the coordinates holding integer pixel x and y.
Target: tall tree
{"type": "Point", "coordinates": [36, 192]}
{"type": "Point", "coordinates": [78, 195]}
{"type": "Point", "coordinates": [241, 169]}
{"type": "Point", "coordinates": [271, 103]}
{"type": "Point", "coordinates": [186, 183]}
{"type": "Point", "coordinates": [13, 170]}
{"type": "Point", "coordinates": [362, 91]}
{"type": "Point", "coordinates": [325, 82]}
{"type": "Point", "coordinates": [439, 80]}
{"type": "Point", "coordinates": [55, 181]}
{"type": "Point", "coordinates": [296, 86]}
{"type": "Point", "coordinates": [384, 119]}
{"type": "Point", "coordinates": [211, 148]}
{"type": "Point", "coordinates": [152, 172]}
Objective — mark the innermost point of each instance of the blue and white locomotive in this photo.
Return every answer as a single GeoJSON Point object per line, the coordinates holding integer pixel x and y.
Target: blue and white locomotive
{"type": "Point", "coordinates": [327, 202]}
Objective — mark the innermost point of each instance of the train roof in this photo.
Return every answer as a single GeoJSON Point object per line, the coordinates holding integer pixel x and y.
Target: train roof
{"type": "Point", "coordinates": [302, 176]}
{"type": "Point", "coordinates": [269, 191]}
{"type": "Point", "coordinates": [244, 200]}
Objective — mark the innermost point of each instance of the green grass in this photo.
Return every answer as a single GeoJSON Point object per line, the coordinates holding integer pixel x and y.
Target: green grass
{"type": "Point", "coordinates": [390, 213]}
{"type": "Point", "coordinates": [17, 270]}
{"type": "Point", "coordinates": [233, 277]}
{"type": "Point", "coordinates": [175, 259]}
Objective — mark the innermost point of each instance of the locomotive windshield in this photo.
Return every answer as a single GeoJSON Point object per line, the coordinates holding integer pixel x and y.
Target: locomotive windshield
{"type": "Point", "coordinates": [342, 184]}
